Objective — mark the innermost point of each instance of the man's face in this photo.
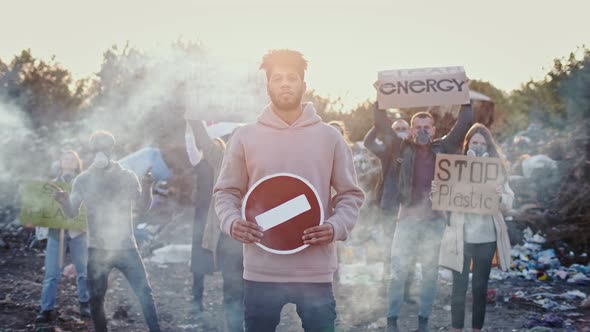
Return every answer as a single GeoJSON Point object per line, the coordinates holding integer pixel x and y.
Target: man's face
{"type": "Point", "coordinates": [285, 88]}
{"type": "Point", "coordinates": [422, 124]}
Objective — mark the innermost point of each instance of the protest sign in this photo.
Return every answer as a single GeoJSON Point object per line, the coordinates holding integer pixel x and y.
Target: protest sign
{"type": "Point", "coordinates": [39, 207]}
{"type": "Point", "coordinates": [405, 88]}
{"type": "Point", "coordinates": [467, 184]}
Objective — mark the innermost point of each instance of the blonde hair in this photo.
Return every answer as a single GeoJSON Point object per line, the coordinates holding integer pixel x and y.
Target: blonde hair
{"type": "Point", "coordinates": [76, 156]}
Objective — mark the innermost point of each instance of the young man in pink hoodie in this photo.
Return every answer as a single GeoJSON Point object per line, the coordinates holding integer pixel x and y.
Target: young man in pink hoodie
{"type": "Point", "coordinates": [289, 137]}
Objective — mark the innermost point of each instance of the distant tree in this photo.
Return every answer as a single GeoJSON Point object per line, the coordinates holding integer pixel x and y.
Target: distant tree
{"type": "Point", "coordinates": [44, 90]}
{"type": "Point", "coordinates": [560, 97]}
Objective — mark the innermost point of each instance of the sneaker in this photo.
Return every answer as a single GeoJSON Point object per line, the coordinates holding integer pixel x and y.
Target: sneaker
{"type": "Point", "coordinates": [423, 324]}
{"type": "Point", "coordinates": [85, 310]}
{"type": "Point", "coordinates": [392, 324]}
{"type": "Point", "coordinates": [44, 317]}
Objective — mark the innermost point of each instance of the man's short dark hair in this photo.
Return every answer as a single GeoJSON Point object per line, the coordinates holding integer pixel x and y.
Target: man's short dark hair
{"type": "Point", "coordinates": [288, 58]}
{"type": "Point", "coordinates": [102, 140]}
{"type": "Point", "coordinates": [421, 115]}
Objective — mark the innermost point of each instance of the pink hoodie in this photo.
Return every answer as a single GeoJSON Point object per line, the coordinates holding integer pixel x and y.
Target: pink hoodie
{"type": "Point", "coordinates": [308, 148]}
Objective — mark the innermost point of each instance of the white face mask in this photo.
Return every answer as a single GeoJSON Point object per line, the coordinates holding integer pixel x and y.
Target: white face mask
{"type": "Point", "coordinates": [403, 134]}
{"type": "Point", "coordinates": [477, 151]}
{"type": "Point", "coordinates": [101, 160]}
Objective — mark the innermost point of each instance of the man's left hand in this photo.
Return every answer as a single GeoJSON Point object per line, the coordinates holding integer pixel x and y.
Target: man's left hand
{"type": "Point", "coordinates": [322, 234]}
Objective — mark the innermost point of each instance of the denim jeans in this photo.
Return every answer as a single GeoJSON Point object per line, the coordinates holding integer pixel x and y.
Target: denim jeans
{"type": "Point", "coordinates": [482, 255]}
{"type": "Point", "coordinates": [128, 261]}
{"type": "Point", "coordinates": [79, 254]}
{"type": "Point", "coordinates": [263, 302]}
{"type": "Point", "coordinates": [415, 240]}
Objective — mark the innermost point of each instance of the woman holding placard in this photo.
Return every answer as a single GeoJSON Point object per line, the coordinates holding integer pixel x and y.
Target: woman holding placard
{"type": "Point", "coordinates": [471, 240]}
{"type": "Point", "coordinates": [70, 166]}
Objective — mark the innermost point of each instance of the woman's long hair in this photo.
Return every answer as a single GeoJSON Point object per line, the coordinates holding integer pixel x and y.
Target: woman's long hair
{"type": "Point", "coordinates": [78, 161]}
{"type": "Point", "coordinates": [342, 129]}
{"type": "Point", "coordinates": [492, 148]}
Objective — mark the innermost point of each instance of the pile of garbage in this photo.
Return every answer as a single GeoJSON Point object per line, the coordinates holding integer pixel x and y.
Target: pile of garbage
{"type": "Point", "coordinates": [550, 175]}
{"type": "Point", "coordinates": [531, 262]}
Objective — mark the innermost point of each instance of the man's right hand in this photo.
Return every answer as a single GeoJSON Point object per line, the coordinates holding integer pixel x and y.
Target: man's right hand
{"type": "Point", "coordinates": [246, 231]}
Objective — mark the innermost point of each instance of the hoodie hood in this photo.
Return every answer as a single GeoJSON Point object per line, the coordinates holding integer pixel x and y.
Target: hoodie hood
{"type": "Point", "coordinates": [271, 119]}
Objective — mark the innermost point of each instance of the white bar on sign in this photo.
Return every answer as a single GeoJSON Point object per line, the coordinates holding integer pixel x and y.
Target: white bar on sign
{"type": "Point", "coordinates": [283, 212]}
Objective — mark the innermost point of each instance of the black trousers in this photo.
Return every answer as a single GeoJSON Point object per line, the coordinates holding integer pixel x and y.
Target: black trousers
{"type": "Point", "coordinates": [233, 294]}
{"type": "Point", "coordinates": [128, 261]}
{"type": "Point", "coordinates": [482, 255]}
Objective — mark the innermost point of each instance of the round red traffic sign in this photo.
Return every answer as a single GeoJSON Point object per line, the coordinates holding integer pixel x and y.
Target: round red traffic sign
{"type": "Point", "coordinates": [284, 205]}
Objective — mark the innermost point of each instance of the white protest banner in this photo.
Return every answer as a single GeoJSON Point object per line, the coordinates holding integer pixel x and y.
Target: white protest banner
{"type": "Point", "coordinates": [467, 184]}
{"type": "Point", "coordinates": [419, 87]}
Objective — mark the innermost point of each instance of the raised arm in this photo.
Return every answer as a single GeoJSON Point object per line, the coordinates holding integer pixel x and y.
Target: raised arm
{"type": "Point", "coordinates": [383, 126]}
{"type": "Point", "coordinates": [455, 137]}
{"type": "Point", "coordinates": [371, 144]}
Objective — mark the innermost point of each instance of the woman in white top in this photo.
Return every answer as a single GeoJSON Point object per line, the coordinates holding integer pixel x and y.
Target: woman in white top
{"type": "Point", "coordinates": [476, 238]}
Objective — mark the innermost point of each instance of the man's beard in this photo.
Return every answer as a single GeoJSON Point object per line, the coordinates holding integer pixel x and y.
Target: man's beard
{"type": "Point", "coordinates": [286, 106]}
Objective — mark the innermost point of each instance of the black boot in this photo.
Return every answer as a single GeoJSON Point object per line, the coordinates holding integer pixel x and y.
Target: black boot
{"type": "Point", "coordinates": [44, 317]}
{"type": "Point", "coordinates": [423, 324]}
{"type": "Point", "coordinates": [197, 305]}
{"type": "Point", "coordinates": [198, 290]}
{"type": "Point", "coordinates": [392, 324]}
{"type": "Point", "coordinates": [85, 310]}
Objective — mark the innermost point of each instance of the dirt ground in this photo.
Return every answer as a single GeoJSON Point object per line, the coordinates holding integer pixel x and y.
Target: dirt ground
{"type": "Point", "coordinates": [360, 306]}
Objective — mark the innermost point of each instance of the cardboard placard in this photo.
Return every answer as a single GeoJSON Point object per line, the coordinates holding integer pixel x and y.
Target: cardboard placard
{"type": "Point", "coordinates": [405, 88]}
{"type": "Point", "coordinates": [39, 207]}
{"type": "Point", "coordinates": [467, 184]}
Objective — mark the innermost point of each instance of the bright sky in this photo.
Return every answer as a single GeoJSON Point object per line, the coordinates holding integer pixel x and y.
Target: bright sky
{"type": "Point", "coordinates": [346, 42]}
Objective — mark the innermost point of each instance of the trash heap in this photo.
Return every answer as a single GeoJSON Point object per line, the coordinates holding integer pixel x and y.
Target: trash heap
{"type": "Point", "coordinates": [550, 175]}
{"type": "Point", "coordinates": [559, 284]}
{"type": "Point", "coordinates": [531, 262]}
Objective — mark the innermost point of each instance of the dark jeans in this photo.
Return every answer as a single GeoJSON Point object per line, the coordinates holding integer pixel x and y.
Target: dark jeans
{"type": "Point", "coordinates": [264, 301]}
{"type": "Point", "coordinates": [482, 255]}
{"type": "Point", "coordinates": [128, 261]}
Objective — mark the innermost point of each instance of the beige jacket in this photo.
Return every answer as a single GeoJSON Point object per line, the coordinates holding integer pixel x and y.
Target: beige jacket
{"type": "Point", "coordinates": [451, 250]}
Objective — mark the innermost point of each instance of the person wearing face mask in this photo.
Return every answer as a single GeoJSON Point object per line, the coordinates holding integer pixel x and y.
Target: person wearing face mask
{"type": "Point", "coordinates": [386, 192]}
{"type": "Point", "coordinates": [70, 166]}
{"type": "Point", "coordinates": [109, 193]}
{"type": "Point", "coordinates": [479, 236]}
{"type": "Point", "coordinates": [419, 229]}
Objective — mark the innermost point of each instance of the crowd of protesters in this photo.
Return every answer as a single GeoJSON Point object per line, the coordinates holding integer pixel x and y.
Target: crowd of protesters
{"type": "Point", "coordinates": [288, 137]}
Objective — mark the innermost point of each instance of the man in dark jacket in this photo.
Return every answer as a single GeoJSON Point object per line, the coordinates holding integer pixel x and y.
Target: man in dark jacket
{"type": "Point", "coordinates": [387, 192]}
{"type": "Point", "coordinates": [419, 229]}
